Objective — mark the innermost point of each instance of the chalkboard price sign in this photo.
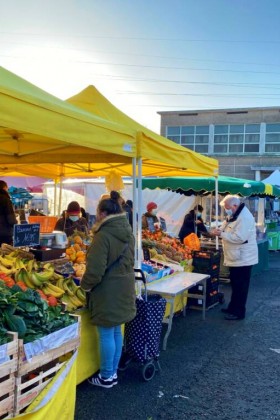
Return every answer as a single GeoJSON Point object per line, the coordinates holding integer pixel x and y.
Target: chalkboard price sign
{"type": "Point", "coordinates": [27, 235]}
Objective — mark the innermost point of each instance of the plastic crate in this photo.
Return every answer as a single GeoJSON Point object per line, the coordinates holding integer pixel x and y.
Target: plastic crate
{"type": "Point", "coordinates": [155, 273]}
{"type": "Point", "coordinates": [47, 223]}
{"type": "Point", "coordinates": [212, 285]}
{"type": "Point", "coordinates": [211, 300]}
{"type": "Point", "coordinates": [271, 225]}
{"type": "Point", "coordinates": [273, 241]}
{"type": "Point", "coordinates": [206, 256]}
{"type": "Point", "coordinates": [207, 261]}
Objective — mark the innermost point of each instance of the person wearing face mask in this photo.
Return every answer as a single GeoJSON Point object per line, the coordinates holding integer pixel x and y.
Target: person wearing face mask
{"type": "Point", "coordinates": [193, 223]}
{"type": "Point", "coordinates": [238, 234]}
{"type": "Point", "coordinates": [72, 220]}
{"type": "Point", "coordinates": [151, 213]}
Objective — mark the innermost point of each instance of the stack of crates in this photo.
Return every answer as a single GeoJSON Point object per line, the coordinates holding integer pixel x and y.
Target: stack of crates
{"type": "Point", "coordinates": [206, 261]}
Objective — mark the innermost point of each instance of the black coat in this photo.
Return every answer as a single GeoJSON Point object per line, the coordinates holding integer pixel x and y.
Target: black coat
{"type": "Point", "coordinates": [189, 226]}
{"type": "Point", "coordinates": [7, 218]}
{"type": "Point", "coordinates": [68, 226]}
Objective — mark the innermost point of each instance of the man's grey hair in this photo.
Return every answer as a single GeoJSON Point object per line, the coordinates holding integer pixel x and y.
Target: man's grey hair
{"type": "Point", "coordinates": [230, 200]}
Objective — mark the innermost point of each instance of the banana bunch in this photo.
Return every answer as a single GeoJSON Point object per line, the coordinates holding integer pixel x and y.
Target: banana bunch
{"type": "Point", "coordinates": [22, 275]}
{"type": "Point", "coordinates": [51, 290]}
{"type": "Point", "coordinates": [74, 296]}
{"type": "Point", "coordinates": [35, 279]}
{"type": "Point", "coordinates": [7, 265]}
{"type": "Point", "coordinates": [11, 264]}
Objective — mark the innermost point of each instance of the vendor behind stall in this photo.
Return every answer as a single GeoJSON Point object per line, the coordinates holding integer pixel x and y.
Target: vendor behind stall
{"type": "Point", "coordinates": [72, 220]}
{"type": "Point", "coordinates": [150, 216]}
{"type": "Point", "coordinates": [193, 223]}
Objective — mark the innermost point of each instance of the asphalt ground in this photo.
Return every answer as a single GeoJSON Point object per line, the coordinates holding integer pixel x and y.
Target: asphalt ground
{"type": "Point", "coordinates": [212, 369]}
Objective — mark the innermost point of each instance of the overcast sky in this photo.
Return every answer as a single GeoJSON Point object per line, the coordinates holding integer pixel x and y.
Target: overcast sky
{"type": "Point", "coordinates": [147, 56]}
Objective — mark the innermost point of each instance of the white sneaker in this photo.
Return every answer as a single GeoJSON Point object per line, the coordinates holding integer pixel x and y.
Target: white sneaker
{"type": "Point", "coordinates": [115, 379]}
{"type": "Point", "coordinates": [99, 381]}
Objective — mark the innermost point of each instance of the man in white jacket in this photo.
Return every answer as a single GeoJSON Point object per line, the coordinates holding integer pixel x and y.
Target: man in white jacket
{"type": "Point", "coordinates": [238, 234]}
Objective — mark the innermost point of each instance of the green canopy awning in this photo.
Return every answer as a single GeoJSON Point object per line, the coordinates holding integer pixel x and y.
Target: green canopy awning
{"type": "Point", "coordinates": [206, 185]}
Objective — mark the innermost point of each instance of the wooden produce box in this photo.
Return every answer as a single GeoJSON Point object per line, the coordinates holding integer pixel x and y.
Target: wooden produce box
{"type": "Point", "coordinates": [33, 375]}
{"type": "Point", "coordinates": [7, 376]}
{"type": "Point", "coordinates": [21, 253]}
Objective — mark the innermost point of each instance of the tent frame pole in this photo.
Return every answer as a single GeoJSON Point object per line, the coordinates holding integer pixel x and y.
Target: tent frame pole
{"type": "Point", "coordinates": [135, 203]}
{"type": "Point", "coordinates": [216, 209]}
{"type": "Point", "coordinates": [139, 212]}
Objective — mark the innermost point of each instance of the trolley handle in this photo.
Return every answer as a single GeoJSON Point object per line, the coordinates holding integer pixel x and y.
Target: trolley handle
{"type": "Point", "coordinates": [140, 276]}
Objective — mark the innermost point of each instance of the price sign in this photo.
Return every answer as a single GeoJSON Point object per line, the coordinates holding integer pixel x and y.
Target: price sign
{"type": "Point", "coordinates": [27, 235]}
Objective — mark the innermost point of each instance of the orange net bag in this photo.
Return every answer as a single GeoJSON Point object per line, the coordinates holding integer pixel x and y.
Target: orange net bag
{"type": "Point", "coordinates": [192, 241]}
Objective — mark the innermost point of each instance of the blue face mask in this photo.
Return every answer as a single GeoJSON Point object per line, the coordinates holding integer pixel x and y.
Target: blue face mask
{"type": "Point", "coordinates": [198, 214]}
{"type": "Point", "coordinates": [74, 218]}
{"type": "Point", "coordinates": [228, 212]}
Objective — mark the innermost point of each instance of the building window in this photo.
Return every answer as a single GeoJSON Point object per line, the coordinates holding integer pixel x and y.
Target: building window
{"type": "Point", "coordinates": [272, 138]}
{"type": "Point", "coordinates": [193, 137]}
{"type": "Point", "coordinates": [237, 139]}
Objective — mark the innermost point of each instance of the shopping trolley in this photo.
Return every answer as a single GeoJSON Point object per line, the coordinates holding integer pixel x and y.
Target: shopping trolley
{"type": "Point", "coordinates": [142, 334]}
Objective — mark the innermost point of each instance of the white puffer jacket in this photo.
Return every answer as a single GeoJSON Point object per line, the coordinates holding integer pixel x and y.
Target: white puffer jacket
{"type": "Point", "coordinates": [239, 239]}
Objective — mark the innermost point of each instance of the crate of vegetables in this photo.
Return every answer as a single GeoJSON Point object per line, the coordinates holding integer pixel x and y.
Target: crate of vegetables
{"type": "Point", "coordinates": [41, 359]}
{"type": "Point", "coordinates": [8, 367]}
{"type": "Point", "coordinates": [154, 270]}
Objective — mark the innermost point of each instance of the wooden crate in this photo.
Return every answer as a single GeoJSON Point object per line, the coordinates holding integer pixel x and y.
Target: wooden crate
{"type": "Point", "coordinates": [7, 249]}
{"type": "Point", "coordinates": [7, 377]}
{"type": "Point", "coordinates": [34, 375]}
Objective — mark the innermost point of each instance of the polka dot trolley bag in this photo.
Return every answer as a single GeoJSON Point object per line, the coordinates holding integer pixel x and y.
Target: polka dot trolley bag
{"type": "Point", "coordinates": [142, 334]}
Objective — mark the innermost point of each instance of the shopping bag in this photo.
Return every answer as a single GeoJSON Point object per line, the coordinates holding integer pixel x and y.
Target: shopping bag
{"type": "Point", "coordinates": [142, 334]}
{"type": "Point", "coordinates": [192, 241]}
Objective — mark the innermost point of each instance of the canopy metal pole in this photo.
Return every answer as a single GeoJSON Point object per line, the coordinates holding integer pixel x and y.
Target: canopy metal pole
{"type": "Point", "coordinates": [60, 195]}
{"type": "Point", "coordinates": [55, 198]}
{"type": "Point", "coordinates": [135, 204]}
{"type": "Point", "coordinates": [216, 209]}
{"type": "Point", "coordinates": [139, 212]}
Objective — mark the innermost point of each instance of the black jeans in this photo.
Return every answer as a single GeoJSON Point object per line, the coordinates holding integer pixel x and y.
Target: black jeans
{"type": "Point", "coordinates": [240, 281]}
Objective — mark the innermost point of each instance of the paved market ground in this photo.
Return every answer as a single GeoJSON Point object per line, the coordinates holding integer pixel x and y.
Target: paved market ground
{"type": "Point", "coordinates": [212, 369]}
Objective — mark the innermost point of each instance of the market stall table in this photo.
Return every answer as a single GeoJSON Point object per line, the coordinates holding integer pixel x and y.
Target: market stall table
{"type": "Point", "coordinates": [178, 284]}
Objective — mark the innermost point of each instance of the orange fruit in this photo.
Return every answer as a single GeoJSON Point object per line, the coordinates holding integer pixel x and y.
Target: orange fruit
{"type": "Point", "coordinates": [78, 239]}
{"type": "Point", "coordinates": [70, 250]}
{"type": "Point", "coordinates": [80, 254]}
{"type": "Point", "coordinates": [73, 257]}
{"type": "Point", "coordinates": [80, 259]}
{"type": "Point", "coordinates": [77, 247]}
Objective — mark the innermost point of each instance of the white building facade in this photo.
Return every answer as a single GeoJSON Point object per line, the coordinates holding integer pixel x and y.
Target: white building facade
{"type": "Point", "coordinates": [246, 141]}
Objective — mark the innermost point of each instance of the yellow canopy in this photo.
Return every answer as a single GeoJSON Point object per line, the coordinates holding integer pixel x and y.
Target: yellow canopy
{"type": "Point", "coordinates": [36, 128]}
{"type": "Point", "coordinates": [160, 156]}
{"type": "Point", "coordinates": [41, 135]}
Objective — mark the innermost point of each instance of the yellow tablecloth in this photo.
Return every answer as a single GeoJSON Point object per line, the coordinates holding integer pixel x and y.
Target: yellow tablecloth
{"type": "Point", "coordinates": [88, 355]}
{"type": "Point", "coordinates": [57, 400]}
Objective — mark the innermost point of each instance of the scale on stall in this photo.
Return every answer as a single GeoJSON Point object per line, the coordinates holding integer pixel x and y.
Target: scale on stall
{"type": "Point", "coordinates": [52, 246]}
{"type": "Point", "coordinates": [56, 240]}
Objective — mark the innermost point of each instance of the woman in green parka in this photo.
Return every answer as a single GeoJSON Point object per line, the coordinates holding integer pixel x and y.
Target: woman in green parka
{"type": "Point", "coordinates": [109, 279]}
